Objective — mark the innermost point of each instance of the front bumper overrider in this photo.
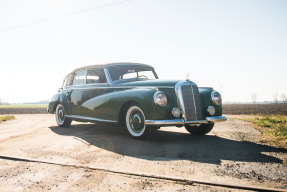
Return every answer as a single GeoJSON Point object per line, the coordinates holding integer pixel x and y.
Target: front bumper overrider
{"type": "Point", "coordinates": [181, 122]}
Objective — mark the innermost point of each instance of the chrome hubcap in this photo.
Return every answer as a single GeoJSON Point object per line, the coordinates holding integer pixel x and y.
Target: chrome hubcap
{"type": "Point", "coordinates": [61, 116]}
{"type": "Point", "coordinates": [136, 121]}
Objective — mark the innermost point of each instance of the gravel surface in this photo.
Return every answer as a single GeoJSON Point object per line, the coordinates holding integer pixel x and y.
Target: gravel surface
{"type": "Point", "coordinates": [231, 153]}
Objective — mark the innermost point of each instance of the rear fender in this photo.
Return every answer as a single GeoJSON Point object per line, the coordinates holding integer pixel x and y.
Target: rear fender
{"type": "Point", "coordinates": [59, 98]}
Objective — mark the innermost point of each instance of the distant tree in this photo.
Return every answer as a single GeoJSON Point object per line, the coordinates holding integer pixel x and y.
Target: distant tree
{"type": "Point", "coordinates": [275, 97]}
{"type": "Point", "coordinates": [284, 98]}
{"type": "Point", "coordinates": [254, 98]}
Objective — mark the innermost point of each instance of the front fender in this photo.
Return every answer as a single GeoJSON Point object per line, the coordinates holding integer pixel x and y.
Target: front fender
{"type": "Point", "coordinates": [117, 99]}
{"type": "Point", "coordinates": [205, 99]}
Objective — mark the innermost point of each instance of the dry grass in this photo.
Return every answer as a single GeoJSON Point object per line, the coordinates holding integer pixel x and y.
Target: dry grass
{"type": "Point", "coordinates": [272, 127]}
{"type": "Point", "coordinates": [6, 118]}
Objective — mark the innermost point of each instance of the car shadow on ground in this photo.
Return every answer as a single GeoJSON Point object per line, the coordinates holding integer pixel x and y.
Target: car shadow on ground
{"type": "Point", "coordinates": [166, 145]}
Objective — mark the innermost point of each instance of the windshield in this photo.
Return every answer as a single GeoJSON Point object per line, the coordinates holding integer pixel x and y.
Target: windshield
{"type": "Point", "coordinates": [131, 73]}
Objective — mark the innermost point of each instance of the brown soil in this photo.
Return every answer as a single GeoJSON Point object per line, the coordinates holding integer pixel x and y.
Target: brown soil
{"type": "Point", "coordinates": [263, 109]}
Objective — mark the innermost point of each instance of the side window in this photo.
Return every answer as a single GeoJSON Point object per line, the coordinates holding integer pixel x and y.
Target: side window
{"type": "Point", "coordinates": [96, 76]}
{"type": "Point", "coordinates": [130, 75]}
{"type": "Point", "coordinates": [67, 81]}
{"type": "Point", "coordinates": [80, 77]}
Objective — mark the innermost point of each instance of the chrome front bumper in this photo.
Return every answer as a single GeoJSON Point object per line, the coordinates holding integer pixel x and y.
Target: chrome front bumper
{"type": "Point", "coordinates": [181, 122]}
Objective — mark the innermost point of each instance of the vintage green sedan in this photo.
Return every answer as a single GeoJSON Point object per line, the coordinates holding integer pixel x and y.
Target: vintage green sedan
{"type": "Point", "coordinates": [132, 95]}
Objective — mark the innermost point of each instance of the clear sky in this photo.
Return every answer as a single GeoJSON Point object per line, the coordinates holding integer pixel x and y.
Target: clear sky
{"type": "Point", "coordinates": [239, 47]}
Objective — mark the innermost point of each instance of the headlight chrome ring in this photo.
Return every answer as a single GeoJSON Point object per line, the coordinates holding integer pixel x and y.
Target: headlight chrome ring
{"type": "Point", "coordinates": [216, 97]}
{"type": "Point", "coordinates": [160, 98]}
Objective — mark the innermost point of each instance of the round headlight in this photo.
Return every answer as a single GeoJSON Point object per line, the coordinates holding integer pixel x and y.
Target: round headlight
{"type": "Point", "coordinates": [160, 98]}
{"type": "Point", "coordinates": [216, 97]}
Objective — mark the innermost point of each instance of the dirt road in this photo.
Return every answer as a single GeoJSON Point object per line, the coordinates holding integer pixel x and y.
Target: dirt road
{"type": "Point", "coordinates": [231, 153]}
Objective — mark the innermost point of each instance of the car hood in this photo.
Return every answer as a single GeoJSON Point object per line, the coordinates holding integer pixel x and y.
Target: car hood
{"type": "Point", "coordinates": [150, 83]}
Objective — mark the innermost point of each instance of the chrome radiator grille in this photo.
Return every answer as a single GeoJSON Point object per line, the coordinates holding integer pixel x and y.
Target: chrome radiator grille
{"type": "Point", "coordinates": [189, 100]}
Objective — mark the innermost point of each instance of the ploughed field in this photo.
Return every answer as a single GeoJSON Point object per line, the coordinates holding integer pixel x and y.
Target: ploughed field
{"type": "Point", "coordinates": [232, 109]}
{"type": "Point", "coordinates": [262, 109]}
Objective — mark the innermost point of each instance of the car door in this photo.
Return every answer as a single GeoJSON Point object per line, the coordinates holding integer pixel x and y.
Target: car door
{"type": "Point", "coordinates": [66, 89]}
{"type": "Point", "coordinates": [94, 95]}
{"type": "Point", "coordinates": [76, 92]}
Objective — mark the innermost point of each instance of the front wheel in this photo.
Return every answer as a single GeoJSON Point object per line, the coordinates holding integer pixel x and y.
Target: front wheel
{"type": "Point", "coordinates": [62, 121]}
{"type": "Point", "coordinates": [199, 130]}
{"type": "Point", "coordinates": [135, 122]}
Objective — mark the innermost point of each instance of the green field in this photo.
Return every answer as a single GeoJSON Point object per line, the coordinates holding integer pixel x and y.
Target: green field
{"type": "Point", "coordinates": [25, 106]}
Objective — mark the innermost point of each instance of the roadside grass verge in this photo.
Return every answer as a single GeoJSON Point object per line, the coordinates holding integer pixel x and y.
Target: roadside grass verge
{"type": "Point", "coordinates": [6, 118]}
{"type": "Point", "coordinates": [25, 106]}
{"type": "Point", "coordinates": [272, 127]}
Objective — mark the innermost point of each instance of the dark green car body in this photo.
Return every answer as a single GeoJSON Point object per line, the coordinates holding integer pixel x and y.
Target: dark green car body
{"type": "Point", "coordinates": [106, 102]}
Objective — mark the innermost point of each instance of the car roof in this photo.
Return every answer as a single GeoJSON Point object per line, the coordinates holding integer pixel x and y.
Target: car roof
{"type": "Point", "coordinates": [102, 66]}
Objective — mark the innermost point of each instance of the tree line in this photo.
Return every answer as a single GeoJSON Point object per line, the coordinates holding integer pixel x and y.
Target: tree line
{"type": "Point", "coordinates": [276, 98]}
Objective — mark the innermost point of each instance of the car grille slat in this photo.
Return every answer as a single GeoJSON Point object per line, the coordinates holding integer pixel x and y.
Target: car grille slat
{"type": "Point", "coordinates": [191, 102]}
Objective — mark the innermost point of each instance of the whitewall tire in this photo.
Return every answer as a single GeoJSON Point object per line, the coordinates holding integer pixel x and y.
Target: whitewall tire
{"type": "Point", "coordinates": [135, 122]}
{"type": "Point", "coordinates": [62, 121]}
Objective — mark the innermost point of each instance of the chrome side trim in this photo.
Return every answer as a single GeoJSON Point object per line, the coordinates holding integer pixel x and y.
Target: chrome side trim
{"type": "Point", "coordinates": [181, 122]}
{"type": "Point", "coordinates": [90, 118]}
{"type": "Point", "coordinates": [128, 87]}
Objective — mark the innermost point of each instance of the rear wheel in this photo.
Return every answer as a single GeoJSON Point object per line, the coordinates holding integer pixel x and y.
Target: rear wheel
{"type": "Point", "coordinates": [62, 121]}
{"type": "Point", "coordinates": [135, 122]}
{"type": "Point", "coordinates": [199, 130]}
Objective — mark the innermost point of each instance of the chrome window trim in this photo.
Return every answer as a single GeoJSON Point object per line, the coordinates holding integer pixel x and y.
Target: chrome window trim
{"type": "Point", "coordinates": [118, 81]}
{"type": "Point", "coordinates": [108, 77]}
{"type": "Point", "coordinates": [90, 118]}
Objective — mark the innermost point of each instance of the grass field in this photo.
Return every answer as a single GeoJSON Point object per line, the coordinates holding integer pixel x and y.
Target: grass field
{"type": "Point", "coordinates": [24, 106]}
{"type": "Point", "coordinates": [272, 127]}
{"type": "Point", "coordinates": [6, 118]}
